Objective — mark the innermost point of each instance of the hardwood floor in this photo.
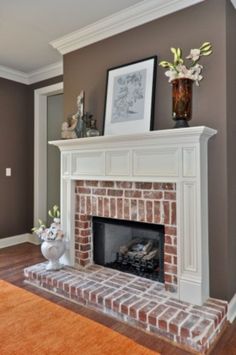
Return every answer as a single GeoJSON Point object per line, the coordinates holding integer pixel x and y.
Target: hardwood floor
{"type": "Point", "coordinates": [14, 259]}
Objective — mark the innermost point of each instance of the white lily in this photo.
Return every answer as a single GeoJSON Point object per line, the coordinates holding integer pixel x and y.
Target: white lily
{"type": "Point", "coordinates": [194, 54]}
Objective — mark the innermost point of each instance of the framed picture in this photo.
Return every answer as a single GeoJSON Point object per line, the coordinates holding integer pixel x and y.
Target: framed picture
{"type": "Point", "coordinates": [130, 91]}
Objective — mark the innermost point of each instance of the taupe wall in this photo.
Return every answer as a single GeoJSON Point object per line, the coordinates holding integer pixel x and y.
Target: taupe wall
{"type": "Point", "coordinates": [16, 152]}
{"type": "Point", "coordinates": [86, 69]}
{"type": "Point", "coordinates": [231, 145]}
{"type": "Point", "coordinates": [13, 154]}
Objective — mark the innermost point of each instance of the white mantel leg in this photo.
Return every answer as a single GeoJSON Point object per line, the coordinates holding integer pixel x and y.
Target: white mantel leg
{"type": "Point", "coordinates": [193, 250]}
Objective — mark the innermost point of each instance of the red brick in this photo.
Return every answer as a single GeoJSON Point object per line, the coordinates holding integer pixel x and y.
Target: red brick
{"type": "Point", "coordinates": [99, 191]}
{"type": "Point", "coordinates": [172, 269]}
{"type": "Point", "coordinates": [126, 209]}
{"type": "Point", "coordinates": [100, 206]}
{"type": "Point", "coordinates": [170, 231]}
{"type": "Point", "coordinates": [173, 213]}
{"type": "Point", "coordinates": [176, 321]}
{"type": "Point", "coordinates": [84, 190]}
{"type": "Point", "coordinates": [118, 301]}
{"type": "Point", "coordinates": [145, 310]}
{"type": "Point", "coordinates": [125, 305]}
{"type": "Point", "coordinates": [119, 208]}
{"type": "Point", "coordinates": [169, 186]}
{"type": "Point", "coordinates": [85, 232]}
{"type": "Point", "coordinates": [166, 316]}
{"type": "Point", "coordinates": [83, 255]}
{"type": "Point", "coordinates": [168, 258]}
{"type": "Point", "coordinates": [84, 247]}
{"type": "Point", "coordinates": [157, 186]}
{"type": "Point", "coordinates": [124, 184]}
{"type": "Point", "coordinates": [88, 205]}
{"type": "Point", "coordinates": [141, 210]}
{"type": "Point", "coordinates": [168, 239]}
{"type": "Point", "coordinates": [149, 211]}
{"type": "Point", "coordinates": [94, 205]}
{"type": "Point", "coordinates": [133, 311]}
{"type": "Point", "coordinates": [143, 185]}
{"type": "Point", "coordinates": [187, 325]}
{"type": "Point", "coordinates": [152, 195]}
{"type": "Point", "coordinates": [84, 262]}
{"type": "Point", "coordinates": [134, 210]}
{"type": "Point", "coordinates": [201, 327]}
{"type": "Point", "coordinates": [166, 206]}
{"type": "Point", "coordinates": [117, 193]}
{"type": "Point", "coordinates": [133, 193]}
{"type": "Point", "coordinates": [107, 183]}
{"type": "Point", "coordinates": [82, 204]}
{"type": "Point", "coordinates": [152, 317]}
{"type": "Point", "coordinates": [84, 218]}
{"type": "Point", "coordinates": [91, 183]}
{"type": "Point", "coordinates": [157, 212]}
{"type": "Point", "coordinates": [79, 183]}
{"type": "Point", "coordinates": [83, 240]}
{"type": "Point", "coordinates": [83, 225]}
{"type": "Point", "coordinates": [106, 205]}
{"type": "Point", "coordinates": [113, 207]}
{"type": "Point", "coordinates": [168, 278]}
{"type": "Point", "coordinates": [170, 249]}
{"type": "Point", "coordinates": [170, 195]}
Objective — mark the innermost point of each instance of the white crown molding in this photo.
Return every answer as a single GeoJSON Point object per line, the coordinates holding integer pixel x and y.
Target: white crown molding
{"type": "Point", "coordinates": [121, 21]}
{"type": "Point", "coordinates": [47, 72]}
{"type": "Point", "coordinates": [232, 309]}
{"type": "Point", "coordinates": [14, 75]}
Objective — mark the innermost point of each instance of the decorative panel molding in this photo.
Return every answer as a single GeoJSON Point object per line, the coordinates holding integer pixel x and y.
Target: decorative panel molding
{"type": "Point", "coordinates": [189, 245]}
{"type": "Point", "coordinates": [156, 162]}
{"type": "Point", "coordinates": [118, 163]}
{"type": "Point", "coordinates": [88, 163]}
{"type": "Point", "coordinates": [65, 164]}
{"type": "Point", "coordinates": [189, 162]}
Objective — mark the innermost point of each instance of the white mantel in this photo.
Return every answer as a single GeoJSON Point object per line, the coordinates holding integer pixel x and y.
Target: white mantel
{"type": "Point", "coordinates": [176, 155]}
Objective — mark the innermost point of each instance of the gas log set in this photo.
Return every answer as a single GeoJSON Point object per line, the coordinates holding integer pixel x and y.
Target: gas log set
{"type": "Point", "coordinates": [140, 257]}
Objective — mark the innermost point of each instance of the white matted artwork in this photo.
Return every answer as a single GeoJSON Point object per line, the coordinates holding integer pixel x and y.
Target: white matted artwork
{"type": "Point", "coordinates": [130, 97]}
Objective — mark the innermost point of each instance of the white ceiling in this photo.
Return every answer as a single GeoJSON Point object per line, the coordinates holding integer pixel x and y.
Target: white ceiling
{"type": "Point", "coordinates": [27, 27]}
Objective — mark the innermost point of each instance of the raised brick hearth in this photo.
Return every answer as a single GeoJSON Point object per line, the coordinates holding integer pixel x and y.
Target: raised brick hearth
{"type": "Point", "coordinates": [140, 302]}
{"type": "Point", "coordinates": [137, 201]}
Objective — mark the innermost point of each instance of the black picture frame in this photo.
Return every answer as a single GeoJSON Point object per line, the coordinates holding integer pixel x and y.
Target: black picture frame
{"type": "Point", "coordinates": [130, 97]}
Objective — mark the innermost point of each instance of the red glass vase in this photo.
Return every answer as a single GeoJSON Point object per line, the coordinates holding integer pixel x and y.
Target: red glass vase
{"type": "Point", "coordinates": [182, 101]}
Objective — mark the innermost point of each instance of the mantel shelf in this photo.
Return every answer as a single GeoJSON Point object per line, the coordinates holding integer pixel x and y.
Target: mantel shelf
{"type": "Point", "coordinates": [191, 134]}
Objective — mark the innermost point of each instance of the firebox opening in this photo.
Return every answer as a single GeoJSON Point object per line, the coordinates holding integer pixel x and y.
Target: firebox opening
{"type": "Point", "coordinates": [128, 246]}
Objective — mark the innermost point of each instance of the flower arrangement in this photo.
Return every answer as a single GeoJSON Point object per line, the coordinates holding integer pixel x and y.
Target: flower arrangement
{"type": "Point", "coordinates": [178, 69]}
{"type": "Point", "coordinates": [54, 232]}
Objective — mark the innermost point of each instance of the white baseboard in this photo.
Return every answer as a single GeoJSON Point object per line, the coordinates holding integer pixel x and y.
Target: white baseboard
{"type": "Point", "coordinates": [19, 239]}
{"type": "Point", "coordinates": [232, 309]}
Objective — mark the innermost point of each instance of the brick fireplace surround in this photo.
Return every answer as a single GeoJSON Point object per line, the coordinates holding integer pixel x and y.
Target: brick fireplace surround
{"type": "Point", "coordinates": [159, 177]}
{"type": "Point", "coordinates": [135, 201]}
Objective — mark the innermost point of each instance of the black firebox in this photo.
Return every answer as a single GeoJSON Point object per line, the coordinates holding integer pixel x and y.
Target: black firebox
{"type": "Point", "coordinates": [133, 247]}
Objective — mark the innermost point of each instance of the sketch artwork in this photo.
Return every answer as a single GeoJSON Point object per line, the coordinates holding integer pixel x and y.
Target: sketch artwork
{"type": "Point", "coordinates": [129, 97]}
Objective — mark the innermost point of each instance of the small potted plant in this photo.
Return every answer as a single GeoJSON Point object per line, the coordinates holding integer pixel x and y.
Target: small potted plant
{"type": "Point", "coordinates": [53, 246]}
{"type": "Point", "coordinates": [181, 76]}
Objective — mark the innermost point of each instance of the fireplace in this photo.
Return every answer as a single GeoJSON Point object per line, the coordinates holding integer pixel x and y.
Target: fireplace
{"type": "Point", "coordinates": [133, 247]}
{"type": "Point", "coordinates": [177, 157]}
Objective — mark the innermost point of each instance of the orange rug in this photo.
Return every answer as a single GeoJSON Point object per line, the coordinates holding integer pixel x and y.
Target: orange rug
{"type": "Point", "coordinates": [31, 325]}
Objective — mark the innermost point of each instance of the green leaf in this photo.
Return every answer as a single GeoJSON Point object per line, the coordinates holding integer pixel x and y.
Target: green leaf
{"type": "Point", "coordinates": [165, 64]}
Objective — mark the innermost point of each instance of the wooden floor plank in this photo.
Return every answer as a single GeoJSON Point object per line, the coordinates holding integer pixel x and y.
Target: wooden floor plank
{"type": "Point", "coordinates": [14, 259]}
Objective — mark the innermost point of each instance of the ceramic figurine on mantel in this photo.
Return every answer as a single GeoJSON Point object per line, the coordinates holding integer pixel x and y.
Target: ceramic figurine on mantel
{"type": "Point", "coordinates": [53, 246]}
{"type": "Point", "coordinates": [182, 77]}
